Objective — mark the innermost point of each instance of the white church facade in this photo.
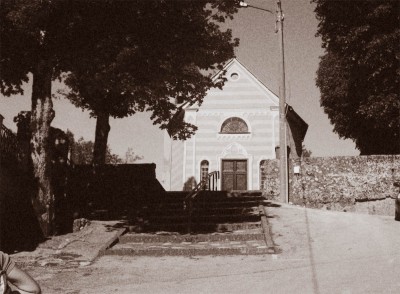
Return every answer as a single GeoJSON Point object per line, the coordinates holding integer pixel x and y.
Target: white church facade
{"type": "Point", "coordinates": [238, 128]}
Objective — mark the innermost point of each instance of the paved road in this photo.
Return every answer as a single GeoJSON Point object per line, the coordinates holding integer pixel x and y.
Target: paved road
{"type": "Point", "coordinates": [322, 252]}
{"type": "Point", "coordinates": [340, 252]}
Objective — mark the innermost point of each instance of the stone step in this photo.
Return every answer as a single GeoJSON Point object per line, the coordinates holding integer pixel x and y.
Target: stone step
{"type": "Point", "coordinates": [200, 203]}
{"type": "Point", "coordinates": [212, 198]}
{"type": "Point", "coordinates": [207, 211]}
{"type": "Point", "coordinates": [176, 193]}
{"type": "Point", "coordinates": [246, 192]}
{"type": "Point", "coordinates": [251, 247]}
{"type": "Point", "coordinates": [218, 218]}
{"type": "Point", "coordinates": [212, 195]}
{"type": "Point", "coordinates": [229, 199]}
{"type": "Point", "coordinates": [201, 227]}
{"type": "Point", "coordinates": [229, 213]}
{"type": "Point", "coordinates": [182, 194]}
{"type": "Point", "coordinates": [211, 204]}
{"type": "Point", "coordinates": [164, 237]}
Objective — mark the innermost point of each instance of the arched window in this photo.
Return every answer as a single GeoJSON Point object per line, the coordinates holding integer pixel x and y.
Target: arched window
{"type": "Point", "coordinates": [203, 169]}
{"type": "Point", "coordinates": [234, 125]}
{"type": "Point", "coordinates": [263, 175]}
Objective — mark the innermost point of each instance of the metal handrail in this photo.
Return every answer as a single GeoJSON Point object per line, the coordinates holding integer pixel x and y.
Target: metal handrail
{"type": "Point", "coordinates": [211, 178]}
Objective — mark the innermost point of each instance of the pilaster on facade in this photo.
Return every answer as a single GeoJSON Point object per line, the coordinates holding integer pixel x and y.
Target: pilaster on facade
{"type": "Point", "coordinates": [166, 181]}
{"type": "Point", "coordinates": [250, 173]}
{"type": "Point", "coordinates": [184, 162]}
{"type": "Point", "coordinates": [190, 117]}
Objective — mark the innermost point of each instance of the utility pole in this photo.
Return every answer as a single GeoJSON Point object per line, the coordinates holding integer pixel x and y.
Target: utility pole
{"type": "Point", "coordinates": [283, 160]}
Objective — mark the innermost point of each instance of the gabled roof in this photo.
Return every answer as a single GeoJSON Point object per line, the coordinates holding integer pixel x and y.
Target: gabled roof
{"type": "Point", "coordinates": [298, 127]}
{"type": "Point", "coordinates": [252, 77]}
{"type": "Point", "coordinates": [244, 68]}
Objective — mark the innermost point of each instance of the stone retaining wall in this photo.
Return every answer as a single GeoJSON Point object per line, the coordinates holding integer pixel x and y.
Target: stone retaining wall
{"type": "Point", "coordinates": [359, 183]}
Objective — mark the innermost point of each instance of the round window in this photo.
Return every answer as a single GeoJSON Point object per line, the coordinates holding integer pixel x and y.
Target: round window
{"type": "Point", "coordinates": [234, 76]}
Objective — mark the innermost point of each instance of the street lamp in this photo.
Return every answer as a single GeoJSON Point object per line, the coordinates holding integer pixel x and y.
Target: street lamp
{"type": "Point", "coordinates": [245, 5]}
{"type": "Point", "coordinates": [282, 101]}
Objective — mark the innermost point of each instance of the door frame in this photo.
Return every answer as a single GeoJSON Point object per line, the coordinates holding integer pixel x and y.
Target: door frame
{"type": "Point", "coordinates": [235, 160]}
{"type": "Point", "coordinates": [250, 172]}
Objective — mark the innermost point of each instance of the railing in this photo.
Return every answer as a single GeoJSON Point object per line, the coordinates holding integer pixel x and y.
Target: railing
{"type": "Point", "coordinates": [207, 183]}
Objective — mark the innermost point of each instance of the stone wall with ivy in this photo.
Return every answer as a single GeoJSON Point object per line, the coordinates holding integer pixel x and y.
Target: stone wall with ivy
{"type": "Point", "coordinates": [359, 183]}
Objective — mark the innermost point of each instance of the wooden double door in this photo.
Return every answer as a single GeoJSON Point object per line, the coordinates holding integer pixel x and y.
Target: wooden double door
{"type": "Point", "coordinates": [234, 175]}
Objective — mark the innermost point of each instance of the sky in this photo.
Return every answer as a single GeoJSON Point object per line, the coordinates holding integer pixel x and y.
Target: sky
{"type": "Point", "coordinates": [258, 52]}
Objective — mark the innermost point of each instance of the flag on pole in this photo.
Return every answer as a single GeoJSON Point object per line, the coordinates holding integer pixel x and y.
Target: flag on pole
{"type": "Point", "coordinates": [176, 121]}
{"type": "Point", "coordinates": [298, 129]}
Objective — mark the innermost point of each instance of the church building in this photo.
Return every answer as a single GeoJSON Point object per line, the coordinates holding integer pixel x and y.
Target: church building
{"type": "Point", "coordinates": [238, 128]}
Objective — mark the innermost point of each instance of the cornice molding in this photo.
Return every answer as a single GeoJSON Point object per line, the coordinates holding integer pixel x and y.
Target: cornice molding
{"type": "Point", "coordinates": [236, 137]}
{"type": "Point", "coordinates": [274, 108]}
{"type": "Point", "coordinates": [232, 113]}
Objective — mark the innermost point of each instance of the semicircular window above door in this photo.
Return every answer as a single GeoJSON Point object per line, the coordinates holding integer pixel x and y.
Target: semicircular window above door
{"type": "Point", "coordinates": [234, 125]}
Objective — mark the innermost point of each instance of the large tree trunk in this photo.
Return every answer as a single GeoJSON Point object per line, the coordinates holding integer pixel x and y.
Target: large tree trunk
{"type": "Point", "coordinates": [100, 142]}
{"type": "Point", "coordinates": [41, 118]}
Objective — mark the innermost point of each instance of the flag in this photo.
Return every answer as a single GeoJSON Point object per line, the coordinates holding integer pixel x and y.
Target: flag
{"type": "Point", "coordinates": [298, 128]}
{"type": "Point", "coordinates": [176, 121]}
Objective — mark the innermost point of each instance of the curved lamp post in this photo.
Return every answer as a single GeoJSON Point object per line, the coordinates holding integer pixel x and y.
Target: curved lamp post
{"type": "Point", "coordinates": [283, 170]}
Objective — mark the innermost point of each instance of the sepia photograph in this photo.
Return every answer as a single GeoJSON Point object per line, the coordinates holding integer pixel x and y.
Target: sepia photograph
{"type": "Point", "coordinates": [199, 146]}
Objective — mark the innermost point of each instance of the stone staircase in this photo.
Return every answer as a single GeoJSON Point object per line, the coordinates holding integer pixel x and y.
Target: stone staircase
{"type": "Point", "coordinates": [221, 223]}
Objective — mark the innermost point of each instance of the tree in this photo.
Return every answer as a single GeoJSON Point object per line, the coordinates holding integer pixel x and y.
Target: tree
{"type": "Point", "coordinates": [305, 152]}
{"type": "Point", "coordinates": [173, 54]}
{"type": "Point", "coordinates": [47, 38]}
{"type": "Point", "coordinates": [81, 152]}
{"type": "Point", "coordinates": [131, 157]}
{"type": "Point", "coordinates": [359, 74]}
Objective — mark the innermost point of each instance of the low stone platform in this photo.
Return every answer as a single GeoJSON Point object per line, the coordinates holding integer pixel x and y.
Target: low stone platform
{"type": "Point", "coordinates": [240, 242]}
{"type": "Point", "coordinates": [163, 237]}
{"type": "Point", "coordinates": [250, 247]}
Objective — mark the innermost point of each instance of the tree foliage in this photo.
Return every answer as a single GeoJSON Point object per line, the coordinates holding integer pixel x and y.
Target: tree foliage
{"type": "Point", "coordinates": [359, 74]}
{"type": "Point", "coordinates": [162, 50]}
{"type": "Point", "coordinates": [131, 157]}
{"type": "Point", "coordinates": [81, 152]}
{"type": "Point", "coordinates": [48, 38]}
{"type": "Point", "coordinates": [305, 152]}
